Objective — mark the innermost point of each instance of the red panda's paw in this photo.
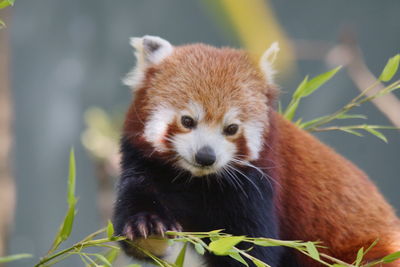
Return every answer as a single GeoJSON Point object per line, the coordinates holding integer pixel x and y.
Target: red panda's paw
{"type": "Point", "coordinates": [145, 224]}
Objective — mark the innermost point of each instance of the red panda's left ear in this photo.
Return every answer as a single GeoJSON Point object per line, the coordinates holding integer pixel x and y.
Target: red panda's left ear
{"type": "Point", "coordinates": [267, 62]}
{"type": "Point", "coordinates": [149, 50]}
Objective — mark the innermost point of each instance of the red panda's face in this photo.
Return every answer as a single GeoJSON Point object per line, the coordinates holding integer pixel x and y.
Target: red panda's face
{"type": "Point", "coordinates": [203, 109]}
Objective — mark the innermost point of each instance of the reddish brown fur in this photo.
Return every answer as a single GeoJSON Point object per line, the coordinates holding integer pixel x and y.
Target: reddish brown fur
{"type": "Point", "coordinates": [321, 195]}
{"type": "Point", "coordinates": [229, 80]}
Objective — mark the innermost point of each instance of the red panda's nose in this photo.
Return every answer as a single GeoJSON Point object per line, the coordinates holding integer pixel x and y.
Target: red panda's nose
{"type": "Point", "coordinates": [205, 156]}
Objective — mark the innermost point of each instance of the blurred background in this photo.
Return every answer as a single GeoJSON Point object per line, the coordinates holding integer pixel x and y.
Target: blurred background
{"type": "Point", "coordinates": [61, 64]}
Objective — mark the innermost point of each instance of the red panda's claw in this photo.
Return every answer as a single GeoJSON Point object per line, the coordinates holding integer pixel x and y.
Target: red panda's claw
{"type": "Point", "coordinates": [145, 224]}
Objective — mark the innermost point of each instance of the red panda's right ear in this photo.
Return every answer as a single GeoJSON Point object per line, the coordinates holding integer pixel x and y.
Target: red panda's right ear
{"type": "Point", "coordinates": [267, 62]}
{"type": "Point", "coordinates": [149, 50]}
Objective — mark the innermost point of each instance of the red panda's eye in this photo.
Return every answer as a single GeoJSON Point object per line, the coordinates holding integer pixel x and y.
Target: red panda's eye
{"type": "Point", "coordinates": [188, 122]}
{"type": "Point", "coordinates": [231, 129]}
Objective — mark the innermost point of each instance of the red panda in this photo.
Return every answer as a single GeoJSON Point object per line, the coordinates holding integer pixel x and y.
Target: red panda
{"type": "Point", "coordinates": [203, 149]}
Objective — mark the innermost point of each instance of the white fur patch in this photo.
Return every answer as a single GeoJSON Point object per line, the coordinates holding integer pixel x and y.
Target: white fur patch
{"type": "Point", "coordinates": [253, 132]}
{"type": "Point", "coordinates": [194, 110]}
{"type": "Point", "coordinates": [149, 50]}
{"type": "Point", "coordinates": [157, 125]}
{"type": "Point", "coordinates": [231, 117]}
{"type": "Point", "coordinates": [267, 61]}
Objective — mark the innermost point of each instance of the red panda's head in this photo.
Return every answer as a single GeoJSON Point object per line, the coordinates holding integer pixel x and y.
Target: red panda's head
{"type": "Point", "coordinates": [199, 107]}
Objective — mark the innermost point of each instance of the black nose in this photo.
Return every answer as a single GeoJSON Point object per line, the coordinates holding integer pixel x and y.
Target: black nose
{"type": "Point", "coordinates": [205, 156]}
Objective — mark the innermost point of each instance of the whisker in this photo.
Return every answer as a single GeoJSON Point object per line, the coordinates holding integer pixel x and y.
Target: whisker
{"type": "Point", "coordinates": [247, 178]}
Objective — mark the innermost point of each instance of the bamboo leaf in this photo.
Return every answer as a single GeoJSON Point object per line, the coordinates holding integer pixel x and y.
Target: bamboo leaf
{"type": "Point", "coordinates": [299, 91]}
{"type": "Point", "coordinates": [318, 81]}
{"type": "Point", "coordinates": [4, 4]}
{"type": "Point", "coordinates": [312, 250]}
{"type": "Point", "coordinates": [351, 116]}
{"type": "Point", "coordinates": [390, 69]}
{"type": "Point", "coordinates": [112, 254]}
{"type": "Point", "coordinates": [351, 131]}
{"type": "Point", "coordinates": [291, 110]}
{"type": "Point", "coordinates": [312, 122]}
{"type": "Point", "coordinates": [71, 179]}
{"type": "Point", "coordinates": [236, 256]}
{"type": "Point", "coordinates": [377, 134]}
{"type": "Point", "coordinates": [110, 229]}
{"type": "Point", "coordinates": [181, 257]}
{"type": "Point", "coordinates": [103, 259]}
{"type": "Point", "coordinates": [259, 263]}
{"type": "Point", "coordinates": [391, 257]}
{"type": "Point", "coordinates": [308, 87]}
{"type": "Point", "coordinates": [66, 228]}
{"type": "Point", "coordinates": [14, 257]}
{"type": "Point", "coordinates": [264, 243]}
{"type": "Point", "coordinates": [224, 244]}
{"type": "Point", "coordinates": [199, 248]}
{"type": "Point", "coordinates": [360, 256]}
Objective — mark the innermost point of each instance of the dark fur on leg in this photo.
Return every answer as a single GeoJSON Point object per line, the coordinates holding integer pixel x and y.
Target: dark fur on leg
{"type": "Point", "coordinates": [151, 189]}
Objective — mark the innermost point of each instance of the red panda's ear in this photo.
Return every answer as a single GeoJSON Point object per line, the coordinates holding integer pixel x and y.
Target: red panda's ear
{"type": "Point", "coordinates": [267, 62]}
{"type": "Point", "coordinates": [149, 50]}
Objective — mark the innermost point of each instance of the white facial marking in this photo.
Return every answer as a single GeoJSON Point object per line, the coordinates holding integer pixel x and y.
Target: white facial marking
{"type": "Point", "coordinates": [267, 61]}
{"type": "Point", "coordinates": [231, 117]}
{"type": "Point", "coordinates": [149, 50]}
{"type": "Point", "coordinates": [194, 110]}
{"type": "Point", "coordinates": [157, 125]}
{"type": "Point", "coordinates": [253, 132]}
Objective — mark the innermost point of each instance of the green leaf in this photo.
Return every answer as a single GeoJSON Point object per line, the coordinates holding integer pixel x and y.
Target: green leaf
{"type": "Point", "coordinates": [2, 24]}
{"type": "Point", "coordinates": [110, 229]}
{"type": "Point", "coordinates": [112, 254]}
{"type": "Point", "coordinates": [103, 259]}
{"type": "Point", "coordinates": [300, 89]}
{"type": "Point", "coordinates": [224, 244]}
{"type": "Point", "coordinates": [4, 4]}
{"type": "Point", "coordinates": [259, 263]}
{"type": "Point", "coordinates": [312, 122]}
{"type": "Point", "coordinates": [264, 243]}
{"type": "Point", "coordinates": [351, 131]}
{"type": "Point", "coordinates": [133, 265]}
{"type": "Point", "coordinates": [308, 87]}
{"type": "Point", "coordinates": [360, 256]}
{"type": "Point", "coordinates": [318, 81]}
{"type": "Point", "coordinates": [199, 248]}
{"type": "Point", "coordinates": [351, 116]}
{"type": "Point", "coordinates": [291, 109]}
{"type": "Point", "coordinates": [298, 122]}
{"type": "Point", "coordinates": [391, 257]}
{"type": "Point", "coordinates": [237, 257]}
{"type": "Point", "coordinates": [71, 179]}
{"type": "Point", "coordinates": [14, 257]}
{"type": "Point", "coordinates": [181, 257]}
{"type": "Point", "coordinates": [67, 224]}
{"type": "Point", "coordinates": [312, 250]}
{"type": "Point", "coordinates": [390, 69]}
{"type": "Point", "coordinates": [377, 134]}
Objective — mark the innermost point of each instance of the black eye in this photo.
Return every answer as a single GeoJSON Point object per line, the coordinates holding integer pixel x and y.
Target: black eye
{"type": "Point", "coordinates": [231, 129]}
{"type": "Point", "coordinates": [188, 122]}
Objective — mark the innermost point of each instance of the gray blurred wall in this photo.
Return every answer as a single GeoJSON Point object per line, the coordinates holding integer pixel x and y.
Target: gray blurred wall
{"type": "Point", "coordinates": [70, 55]}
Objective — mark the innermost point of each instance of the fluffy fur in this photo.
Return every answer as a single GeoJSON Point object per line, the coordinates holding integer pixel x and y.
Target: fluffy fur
{"type": "Point", "coordinates": [269, 179]}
